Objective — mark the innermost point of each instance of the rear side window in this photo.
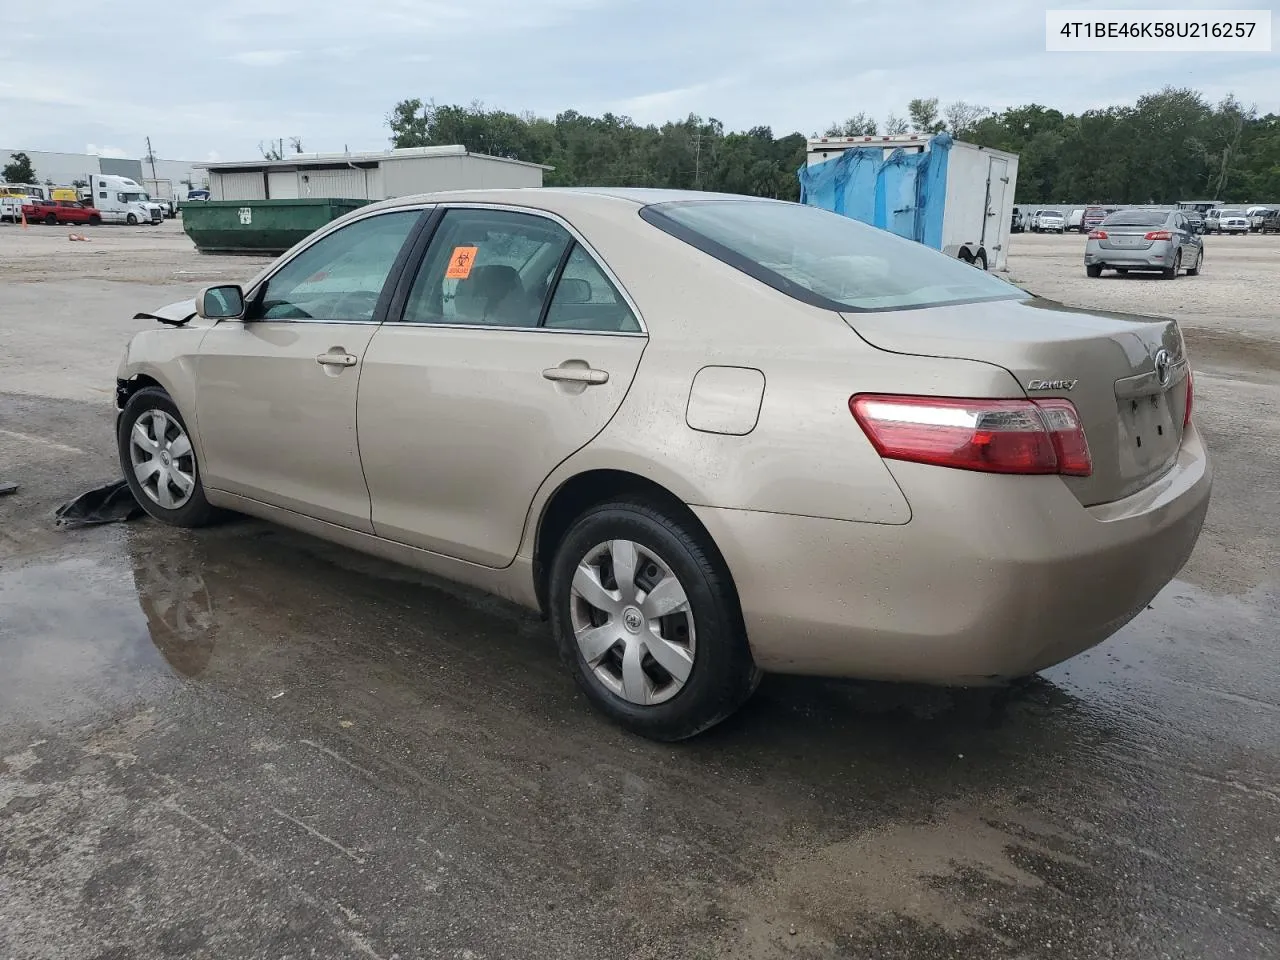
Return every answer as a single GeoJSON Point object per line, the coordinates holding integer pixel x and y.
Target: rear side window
{"type": "Point", "coordinates": [823, 258]}
{"type": "Point", "coordinates": [585, 299]}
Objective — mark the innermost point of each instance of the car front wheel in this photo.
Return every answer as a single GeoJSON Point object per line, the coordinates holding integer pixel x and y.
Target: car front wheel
{"type": "Point", "coordinates": [159, 460]}
{"type": "Point", "coordinates": [647, 618]}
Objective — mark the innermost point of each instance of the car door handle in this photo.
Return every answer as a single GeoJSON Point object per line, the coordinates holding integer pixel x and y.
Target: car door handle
{"type": "Point", "coordinates": [336, 360]}
{"type": "Point", "coordinates": [585, 375]}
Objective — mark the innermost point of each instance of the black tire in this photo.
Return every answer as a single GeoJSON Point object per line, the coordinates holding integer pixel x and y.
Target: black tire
{"type": "Point", "coordinates": [95, 221]}
{"type": "Point", "coordinates": [1093, 270]}
{"type": "Point", "coordinates": [196, 512]}
{"type": "Point", "coordinates": [980, 261]}
{"type": "Point", "coordinates": [1123, 271]}
{"type": "Point", "coordinates": [723, 674]}
{"type": "Point", "coordinates": [51, 219]}
{"type": "Point", "coordinates": [131, 220]}
{"type": "Point", "coordinates": [1199, 265]}
{"type": "Point", "coordinates": [1171, 273]}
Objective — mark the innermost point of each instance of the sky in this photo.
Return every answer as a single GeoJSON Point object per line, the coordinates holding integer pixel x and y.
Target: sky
{"type": "Point", "coordinates": [212, 82]}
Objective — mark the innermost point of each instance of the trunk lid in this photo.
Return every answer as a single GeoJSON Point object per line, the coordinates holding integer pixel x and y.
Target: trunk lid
{"type": "Point", "coordinates": [1125, 374]}
{"type": "Point", "coordinates": [1127, 237]}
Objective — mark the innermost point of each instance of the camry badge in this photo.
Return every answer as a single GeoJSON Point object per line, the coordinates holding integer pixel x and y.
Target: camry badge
{"type": "Point", "coordinates": [1164, 366]}
{"type": "Point", "coordinates": [1052, 384]}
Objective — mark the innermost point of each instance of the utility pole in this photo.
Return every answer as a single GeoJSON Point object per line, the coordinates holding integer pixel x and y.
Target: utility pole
{"type": "Point", "coordinates": [151, 158]}
{"type": "Point", "coordinates": [697, 159]}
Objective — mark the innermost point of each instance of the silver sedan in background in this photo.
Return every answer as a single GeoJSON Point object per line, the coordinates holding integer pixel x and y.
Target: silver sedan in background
{"type": "Point", "coordinates": [1148, 240]}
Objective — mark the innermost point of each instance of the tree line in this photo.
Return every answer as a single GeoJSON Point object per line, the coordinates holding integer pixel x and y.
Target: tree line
{"type": "Point", "coordinates": [1169, 146]}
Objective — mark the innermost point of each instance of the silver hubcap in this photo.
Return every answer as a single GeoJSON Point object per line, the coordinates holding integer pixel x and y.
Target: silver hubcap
{"type": "Point", "coordinates": [163, 461]}
{"type": "Point", "coordinates": [632, 621]}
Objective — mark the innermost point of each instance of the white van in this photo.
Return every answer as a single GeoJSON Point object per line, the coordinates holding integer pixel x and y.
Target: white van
{"type": "Point", "coordinates": [121, 200]}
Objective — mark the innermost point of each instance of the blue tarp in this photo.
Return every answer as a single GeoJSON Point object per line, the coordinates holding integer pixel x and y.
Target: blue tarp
{"type": "Point", "coordinates": [903, 193]}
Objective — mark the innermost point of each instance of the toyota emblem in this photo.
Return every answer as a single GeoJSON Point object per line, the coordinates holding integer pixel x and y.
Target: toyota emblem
{"type": "Point", "coordinates": [1164, 366]}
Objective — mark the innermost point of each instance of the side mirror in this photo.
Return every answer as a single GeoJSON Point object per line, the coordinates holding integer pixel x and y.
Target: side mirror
{"type": "Point", "coordinates": [223, 302]}
{"type": "Point", "coordinates": [573, 290]}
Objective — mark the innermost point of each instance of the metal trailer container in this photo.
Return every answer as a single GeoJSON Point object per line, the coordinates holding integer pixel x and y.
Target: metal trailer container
{"type": "Point", "coordinates": [953, 196]}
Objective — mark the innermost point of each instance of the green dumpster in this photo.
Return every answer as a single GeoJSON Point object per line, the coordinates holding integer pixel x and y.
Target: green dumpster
{"type": "Point", "coordinates": [259, 226]}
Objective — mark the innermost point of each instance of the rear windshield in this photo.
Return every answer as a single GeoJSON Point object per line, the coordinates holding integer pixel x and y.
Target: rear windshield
{"type": "Point", "coordinates": [823, 258]}
{"type": "Point", "coordinates": [1136, 218]}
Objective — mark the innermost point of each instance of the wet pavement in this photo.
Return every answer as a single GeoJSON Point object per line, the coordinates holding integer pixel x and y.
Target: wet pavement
{"type": "Point", "coordinates": [243, 742]}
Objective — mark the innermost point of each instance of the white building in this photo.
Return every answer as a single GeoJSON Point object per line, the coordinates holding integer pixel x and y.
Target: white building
{"type": "Point", "coordinates": [368, 176]}
{"type": "Point", "coordinates": [64, 169]}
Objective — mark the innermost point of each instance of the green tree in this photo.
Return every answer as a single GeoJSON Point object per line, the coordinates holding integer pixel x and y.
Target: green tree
{"type": "Point", "coordinates": [924, 115]}
{"type": "Point", "coordinates": [1169, 145]}
{"type": "Point", "coordinates": [962, 117]}
{"type": "Point", "coordinates": [894, 125]}
{"type": "Point", "coordinates": [859, 125]}
{"type": "Point", "coordinates": [19, 169]}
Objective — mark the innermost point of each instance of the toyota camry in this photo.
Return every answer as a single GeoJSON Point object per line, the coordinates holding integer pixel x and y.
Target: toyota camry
{"type": "Point", "coordinates": [706, 436]}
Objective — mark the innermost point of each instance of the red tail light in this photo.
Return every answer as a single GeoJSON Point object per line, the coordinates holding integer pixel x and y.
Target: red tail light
{"type": "Point", "coordinates": [1098, 235]}
{"type": "Point", "coordinates": [1159, 235]}
{"type": "Point", "coordinates": [992, 436]}
{"type": "Point", "coordinates": [1186, 417]}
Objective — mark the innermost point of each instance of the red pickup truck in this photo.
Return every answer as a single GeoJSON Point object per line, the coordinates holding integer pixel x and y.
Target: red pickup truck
{"type": "Point", "coordinates": [60, 211]}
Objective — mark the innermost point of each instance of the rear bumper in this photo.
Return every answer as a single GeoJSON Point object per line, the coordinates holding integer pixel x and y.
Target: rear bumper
{"type": "Point", "coordinates": [994, 577]}
{"type": "Point", "coordinates": [1131, 259]}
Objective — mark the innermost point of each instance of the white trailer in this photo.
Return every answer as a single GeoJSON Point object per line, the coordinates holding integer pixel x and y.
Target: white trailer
{"type": "Point", "coordinates": [953, 196]}
{"type": "Point", "coordinates": [121, 200]}
{"type": "Point", "coordinates": [161, 192]}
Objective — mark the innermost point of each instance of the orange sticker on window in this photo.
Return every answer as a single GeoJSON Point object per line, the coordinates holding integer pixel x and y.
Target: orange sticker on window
{"type": "Point", "coordinates": [460, 262]}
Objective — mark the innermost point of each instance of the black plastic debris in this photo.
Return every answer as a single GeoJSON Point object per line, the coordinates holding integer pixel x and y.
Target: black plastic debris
{"type": "Point", "coordinates": [110, 503]}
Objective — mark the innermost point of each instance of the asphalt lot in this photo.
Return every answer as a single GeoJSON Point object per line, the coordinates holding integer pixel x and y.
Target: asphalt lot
{"type": "Point", "coordinates": [241, 742]}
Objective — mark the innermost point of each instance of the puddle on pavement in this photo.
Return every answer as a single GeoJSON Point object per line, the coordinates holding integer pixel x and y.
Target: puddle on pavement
{"type": "Point", "coordinates": [123, 609]}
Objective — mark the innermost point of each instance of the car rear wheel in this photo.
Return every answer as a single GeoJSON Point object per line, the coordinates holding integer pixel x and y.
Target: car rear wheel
{"type": "Point", "coordinates": [1194, 271]}
{"type": "Point", "coordinates": [159, 460]}
{"type": "Point", "coordinates": [1170, 273]}
{"type": "Point", "coordinates": [51, 219]}
{"type": "Point", "coordinates": [1093, 270]}
{"type": "Point", "coordinates": [647, 618]}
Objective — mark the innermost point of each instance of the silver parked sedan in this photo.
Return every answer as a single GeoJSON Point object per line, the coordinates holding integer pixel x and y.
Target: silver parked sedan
{"type": "Point", "coordinates": [1158, 240]}
{"type": "Point", "coordinates": [705, 435]}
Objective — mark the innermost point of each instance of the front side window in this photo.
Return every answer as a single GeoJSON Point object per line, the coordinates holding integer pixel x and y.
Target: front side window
{"type": "Point", "coordinates": [490, 267]}
{"type": "Point", "coordinates": [340, 277]}
{"type": "Point", "coordinates": [823, 258]}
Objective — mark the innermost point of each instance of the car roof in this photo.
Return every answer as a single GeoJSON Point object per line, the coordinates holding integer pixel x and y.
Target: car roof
{"type": "Point", "coordinates": [558, 198]}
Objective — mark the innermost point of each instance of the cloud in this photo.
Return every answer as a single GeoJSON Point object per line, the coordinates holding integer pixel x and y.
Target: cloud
{"type": "Point", "coordinates": [264, 58]}
{"type": "Point", "coordinates": [111, 152]}
{"type": "Point", "coordinates": [744, 62]}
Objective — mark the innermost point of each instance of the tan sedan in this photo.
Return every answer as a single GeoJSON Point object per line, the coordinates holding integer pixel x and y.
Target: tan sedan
{"type": "Point", "coordinates": [706, 435]}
